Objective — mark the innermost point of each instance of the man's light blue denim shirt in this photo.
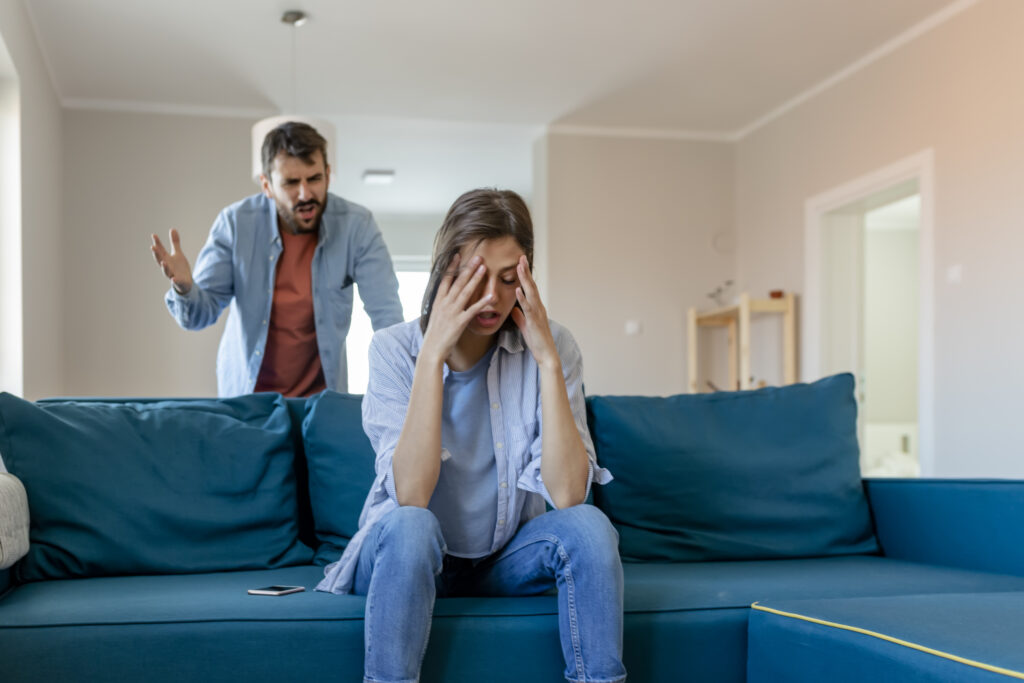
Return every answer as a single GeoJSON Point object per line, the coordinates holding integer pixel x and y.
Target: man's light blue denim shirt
{"type": "Point", "coordinates": [513, 392]}
{"type": "Point", "coordinates": [238, 264]}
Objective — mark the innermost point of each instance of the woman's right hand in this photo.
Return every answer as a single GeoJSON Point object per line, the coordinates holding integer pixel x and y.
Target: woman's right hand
{"type": "Point", "coordinates": [452, 311]}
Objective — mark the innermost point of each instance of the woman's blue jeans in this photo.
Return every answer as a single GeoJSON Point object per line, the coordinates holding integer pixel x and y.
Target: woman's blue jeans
{"type": "Point", "coordinates": [402, 568]}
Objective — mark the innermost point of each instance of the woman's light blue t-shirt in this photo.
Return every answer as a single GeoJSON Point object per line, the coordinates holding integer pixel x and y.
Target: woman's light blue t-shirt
{"type": "Point", "coordinates": [465, 500]}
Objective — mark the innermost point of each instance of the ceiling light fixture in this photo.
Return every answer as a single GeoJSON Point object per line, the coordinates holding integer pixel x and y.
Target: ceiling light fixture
{"type": "Point", "coordinates": [294, 19]}
{"type": "Point", "coordinates": [374, 176]}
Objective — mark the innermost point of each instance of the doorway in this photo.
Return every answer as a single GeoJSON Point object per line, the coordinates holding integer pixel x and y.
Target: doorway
{"type": "Point", "coordinates": [868, 309]}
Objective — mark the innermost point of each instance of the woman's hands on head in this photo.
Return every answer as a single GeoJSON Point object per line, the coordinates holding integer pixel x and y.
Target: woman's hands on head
{"type": "Point", "coordinates": [452, 311]}
{"type": "Point", "coordinates": [532, 318]}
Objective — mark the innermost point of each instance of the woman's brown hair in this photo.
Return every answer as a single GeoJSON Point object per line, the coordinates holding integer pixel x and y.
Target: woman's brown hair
{"type": "Point", "coordinates": [476, 216]}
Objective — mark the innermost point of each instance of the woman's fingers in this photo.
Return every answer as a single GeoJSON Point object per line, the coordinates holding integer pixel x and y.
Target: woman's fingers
{"type": "Point", "coordinates": [449, 276]}
{"type": "Point", "coordinates": [526, 282]}
{"type": "Point", "coordinates": [478, 305]}
{"type": "Point", "coordinates": [521, 298]}
{"type": "Point", "coordinates": [465, 289]}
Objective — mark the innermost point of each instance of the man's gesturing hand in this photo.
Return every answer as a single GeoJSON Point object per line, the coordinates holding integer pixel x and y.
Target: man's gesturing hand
{"type": "Point", "coordinates": [174, 264]}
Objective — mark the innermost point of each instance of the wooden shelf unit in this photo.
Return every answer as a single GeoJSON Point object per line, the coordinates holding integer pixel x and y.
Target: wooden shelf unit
{"type": "Point", "coordinates": [736, 319]}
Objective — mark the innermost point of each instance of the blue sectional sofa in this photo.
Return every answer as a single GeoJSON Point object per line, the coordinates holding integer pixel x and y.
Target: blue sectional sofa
{"type": "Point", "coordinates": [151, 518]}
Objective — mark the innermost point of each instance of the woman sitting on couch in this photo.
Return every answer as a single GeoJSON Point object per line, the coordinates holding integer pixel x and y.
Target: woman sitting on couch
{"type": "Point", "coordinates": [476, 414]}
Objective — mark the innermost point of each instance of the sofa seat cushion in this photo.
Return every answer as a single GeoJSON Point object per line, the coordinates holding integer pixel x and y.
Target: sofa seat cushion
{"type": "Point", "coordinates": [205, 627]}
{"type": "Point", "coordinates": [953, 637]}
{"type": "Point", "coordinates": [655, 587]}
{"type": "Point", "coordinates": [683, 622]}
{"type": "Point", "coordinates": [660, 587]}
{"type": "Point", "coordinates": [217, 596]}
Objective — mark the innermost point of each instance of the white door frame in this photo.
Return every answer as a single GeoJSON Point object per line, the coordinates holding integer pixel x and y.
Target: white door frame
{"type": "Point", "coordinates": [920, 167]}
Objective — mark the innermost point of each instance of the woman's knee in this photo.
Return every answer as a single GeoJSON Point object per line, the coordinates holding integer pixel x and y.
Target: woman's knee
{"type": "Point", "coordinates": [411, 530]}
{"type": "Point", "coordinates": [411, 523]}
{"type": "Point", "coordinates": [587, 530]}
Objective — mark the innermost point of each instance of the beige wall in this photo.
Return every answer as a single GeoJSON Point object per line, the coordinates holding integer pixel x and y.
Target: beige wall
{"type": "Point", "coordinates": [41, 244]}
{"type": "Point", "coordinates": [955, 89]}
{"type": "Point", "coordinates": [126, 176]}
{"type": "Point", "coordinates": [630, 239]}
{"type": "Point", "coordinates": [630, 226]}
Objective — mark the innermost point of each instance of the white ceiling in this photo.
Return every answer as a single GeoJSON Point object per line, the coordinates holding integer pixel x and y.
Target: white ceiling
{"type": "Point", "coordinates": [452, 93]}
{"type": "Point", "coordinates": [704, 66]}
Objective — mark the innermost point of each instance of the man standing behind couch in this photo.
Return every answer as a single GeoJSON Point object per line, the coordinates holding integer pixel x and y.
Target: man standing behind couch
{"type": "Point", "coordinates": [285, 259]}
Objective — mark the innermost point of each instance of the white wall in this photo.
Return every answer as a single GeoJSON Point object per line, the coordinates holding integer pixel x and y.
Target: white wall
{"type": "Point", "coordinates": [41, 245]}
{"type": "Point", "coordinates": [630, 226]}
{"type": "Point", "coordinates": [890, 324]}
{"type": "Point", "coordinates": [955, 90]}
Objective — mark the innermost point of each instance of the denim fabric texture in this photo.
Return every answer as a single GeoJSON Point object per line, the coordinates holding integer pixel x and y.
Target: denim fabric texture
{"type": "Point", "coordinates": [402, 567]}
{"type": "Point", "coordinates": [238, 265]}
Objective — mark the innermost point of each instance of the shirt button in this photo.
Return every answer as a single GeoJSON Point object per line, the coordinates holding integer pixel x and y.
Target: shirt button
{"type": "Point", "coordinates": [503, 484]}
{"type": "Point", "coordinates": [494, 406]}
{"type": "Point", "coordinates": [264, 322]}
{"type": "Point", "coordinates": [501, 522]}
{"type": "Point", "coordinates": [257, 353]}
{"type": "Point", "coordinates": [497, 445]}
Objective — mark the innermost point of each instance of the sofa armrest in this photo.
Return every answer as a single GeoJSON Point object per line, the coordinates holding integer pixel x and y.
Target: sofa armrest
{"type": "Point", "coordinates": [966, 523]}
{"type": "Point", "coordinates": [13, 523]}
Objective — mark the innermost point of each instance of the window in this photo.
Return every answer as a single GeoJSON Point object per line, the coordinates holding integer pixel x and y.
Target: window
{"type": "Point", "coordinates": [412, 281]}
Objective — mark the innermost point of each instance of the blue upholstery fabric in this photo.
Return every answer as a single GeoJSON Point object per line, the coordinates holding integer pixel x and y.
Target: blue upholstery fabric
{"type": "Point", "coordinates": [764, 474]}
{"type": "Point", "coordinates": [974, 524]}
{"type": "Point", "coordinates": [341, 469]}
{"type": "Point", "coordinates": [684, 621]}
{"type": "Point", "coordinates": [153, 487]}
{"type": "Point", "coordinates": [652, 587]}
{"type": "Point", "coordinates": [981, 628]}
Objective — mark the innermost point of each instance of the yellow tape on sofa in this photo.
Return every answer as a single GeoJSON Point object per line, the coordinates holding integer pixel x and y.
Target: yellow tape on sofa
{"type": "Point", "coordinates": [898, 641]}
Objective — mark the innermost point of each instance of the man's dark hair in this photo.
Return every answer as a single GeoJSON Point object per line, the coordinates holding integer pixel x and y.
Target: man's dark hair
{"type": "Point", "coordinates": [295, 139]}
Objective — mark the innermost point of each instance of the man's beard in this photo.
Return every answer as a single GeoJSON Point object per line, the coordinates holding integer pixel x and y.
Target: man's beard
{"type": "Point", "coordinates": [293, 225]}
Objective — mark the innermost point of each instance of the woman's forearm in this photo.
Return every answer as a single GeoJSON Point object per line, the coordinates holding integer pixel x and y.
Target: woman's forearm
{"type": "Point", "coordinates": [564, 463]}
{"type": "Point", "coordinates": [416, 462]}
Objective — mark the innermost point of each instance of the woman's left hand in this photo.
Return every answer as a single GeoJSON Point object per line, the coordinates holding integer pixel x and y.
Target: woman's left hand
{"type": "Point", "coordinates": [532, 319]}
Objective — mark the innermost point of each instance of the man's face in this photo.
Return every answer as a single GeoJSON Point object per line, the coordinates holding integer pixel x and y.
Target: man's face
{"type": "Point", "coordinates": [299, 190]}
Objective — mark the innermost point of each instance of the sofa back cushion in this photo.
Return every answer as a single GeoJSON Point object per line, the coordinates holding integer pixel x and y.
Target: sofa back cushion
{"type": "Point", "coordinates": [153, 486]}
{"type": "Point", "coordinates": [341, 469]}
{"type": "Point", "coordinates": [765, 474]}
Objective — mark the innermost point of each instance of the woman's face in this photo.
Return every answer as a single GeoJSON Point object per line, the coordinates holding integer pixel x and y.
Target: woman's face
{"type": "Point", "coordinates": [500, 257]}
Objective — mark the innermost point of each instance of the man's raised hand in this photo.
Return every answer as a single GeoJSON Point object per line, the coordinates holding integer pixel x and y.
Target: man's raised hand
{"type": "Point", "coordinates": [174, 264]}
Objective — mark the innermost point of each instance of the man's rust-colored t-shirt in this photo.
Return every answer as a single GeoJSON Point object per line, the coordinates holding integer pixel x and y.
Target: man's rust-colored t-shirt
{"type": "Point", "coordinates": [291, 360]}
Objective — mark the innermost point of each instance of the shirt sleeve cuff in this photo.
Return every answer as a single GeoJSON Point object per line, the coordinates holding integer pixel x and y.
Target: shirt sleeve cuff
{"type": "Point", "coordinates": [532, 481]}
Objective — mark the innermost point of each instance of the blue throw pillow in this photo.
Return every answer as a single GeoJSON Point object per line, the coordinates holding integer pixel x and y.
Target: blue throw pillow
{"type": "Point", "coordinates": [765, 474]}
{"type": "Point", "coordinates": [154, 486]}
{"type": "Point", "coordinates": [341, 469]}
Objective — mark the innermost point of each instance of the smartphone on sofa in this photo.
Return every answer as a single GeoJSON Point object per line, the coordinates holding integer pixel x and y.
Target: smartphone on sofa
{"type": "Point", "coordinates": [276, 590]}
